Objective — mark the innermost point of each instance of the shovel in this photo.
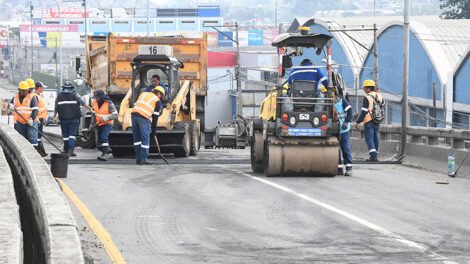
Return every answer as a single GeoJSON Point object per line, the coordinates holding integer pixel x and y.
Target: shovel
{"type": "Point", "coordinates": [159, 153]}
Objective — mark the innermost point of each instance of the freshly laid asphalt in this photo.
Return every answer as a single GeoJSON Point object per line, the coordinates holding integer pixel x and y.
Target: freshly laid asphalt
{"type": "Point", "coordinates": [203, 212]}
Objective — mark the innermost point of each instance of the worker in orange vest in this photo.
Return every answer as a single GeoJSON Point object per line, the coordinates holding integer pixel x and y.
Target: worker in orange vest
{"type": "Point", "coordinates": [144, 121]}
{"type": "Point", "coordinates": [104, 112]}
{"type": "Point", "coordinates": [25, 107]}
{"type": "Point", "coordinates": [42, 114]}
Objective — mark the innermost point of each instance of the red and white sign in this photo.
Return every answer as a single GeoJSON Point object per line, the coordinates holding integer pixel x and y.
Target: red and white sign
{"type": "Point", "coordinates": [64, 12]}
{"type": "Point", "coordinates": [49, 28]}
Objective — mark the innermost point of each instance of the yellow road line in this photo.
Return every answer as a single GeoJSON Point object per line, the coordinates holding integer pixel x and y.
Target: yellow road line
{"type": "Point", "coordinates": [97, 228]}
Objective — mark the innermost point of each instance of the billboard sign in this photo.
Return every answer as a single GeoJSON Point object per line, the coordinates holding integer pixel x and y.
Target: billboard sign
{"type": "Point", "coordinates": [225, 39]}
{"type": "Point", "coordinates": [49, 28]}
{"type": "Point", "coordinates": [66, 12]}
{"type": "Point", "coordinates": [255, 37]}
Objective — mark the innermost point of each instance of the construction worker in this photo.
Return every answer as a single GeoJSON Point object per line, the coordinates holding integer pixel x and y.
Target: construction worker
{"type": "Point", "coordinates": [67, 105]}
{"type": "Point", "coordinates": [25, 108]}
{"type": "Point", "coordinates": [344, 112]}
{"type": "Point", "coordinates": [102, 118]}
{"type": "Point", "coordinates": [307, 71]}
{"type": "Point", "coordinates": [144, 122]}
{"type": "Point", "coordinates": [42, 114]}
{"type": "Point", "coordinates": [371, 128]}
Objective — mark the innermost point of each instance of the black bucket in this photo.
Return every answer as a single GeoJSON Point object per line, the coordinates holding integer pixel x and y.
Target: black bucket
{"type": "Point", "coordinates": [59, 164]}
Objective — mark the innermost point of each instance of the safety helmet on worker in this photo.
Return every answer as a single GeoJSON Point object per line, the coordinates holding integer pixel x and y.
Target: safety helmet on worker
{"type": "Point", "coordinates": [323, 89]}
{"type": "Point", "coordinates": [31, 83]}
{"type": "Point", "coordinates": [68, 85]}
{"type": "Point", "coordinates": [159, 89]}
{"type": "Point", "coordinates": [23, 86]}
{"type": "Point", "coordinates": [369, 83]}
{"type": "Point", "coordinates": [99, 94]}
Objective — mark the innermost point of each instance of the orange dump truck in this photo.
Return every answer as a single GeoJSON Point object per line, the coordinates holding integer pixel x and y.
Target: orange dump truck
{"type": "Point", "coordinates": [108, 63]}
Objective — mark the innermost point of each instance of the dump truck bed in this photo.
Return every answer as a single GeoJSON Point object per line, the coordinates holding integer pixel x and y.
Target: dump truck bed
{"type": "Point", "coordinates": [111, 56]}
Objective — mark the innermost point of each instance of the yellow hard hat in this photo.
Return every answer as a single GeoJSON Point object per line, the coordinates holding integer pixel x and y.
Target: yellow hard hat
{"type": "Point", "coordinates": [368, 83]}
{"type": "Point", "coordinates": [323, 89]}
{"type": "Point", "coordinates": [31, 83]}
{"type": "Point", "coordinates": [160, 89]}
{"type": "Point", "coordinates": [23, 86]}
{"type": "Point", "coordinates": [286, 86]}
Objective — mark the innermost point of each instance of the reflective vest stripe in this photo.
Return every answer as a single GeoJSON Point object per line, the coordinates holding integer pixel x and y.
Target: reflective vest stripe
{"type": "Point", "coordinates": [67, 102]}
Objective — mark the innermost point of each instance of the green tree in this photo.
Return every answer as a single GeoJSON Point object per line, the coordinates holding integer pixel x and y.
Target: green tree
{"type": "Point", "coordinates": [455, 9]}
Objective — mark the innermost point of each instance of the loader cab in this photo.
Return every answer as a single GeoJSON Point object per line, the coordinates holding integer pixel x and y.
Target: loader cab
{"type": "Point", "coordinates": [145, 66]}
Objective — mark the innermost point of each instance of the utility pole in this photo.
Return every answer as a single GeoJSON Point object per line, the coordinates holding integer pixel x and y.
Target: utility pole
{"type": "Point", "coordinates": [148, 27]}
{"type": "Point", "coordinates": [376, 57]}
{"type": "Point", "coordinates": [31, 14]}
{"type": "Point", "coordinates": [60, 43]}
{"type": "Point", "coordinates": [275, 14]}
{"type": "Point", "coordinates": [237, 74]}
{"type": "Point", "coordinates": [406, 49]}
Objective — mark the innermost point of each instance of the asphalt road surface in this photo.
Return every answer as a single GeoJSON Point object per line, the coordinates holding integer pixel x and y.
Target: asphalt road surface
{"type": "Point", "coordinates": [223, 213]}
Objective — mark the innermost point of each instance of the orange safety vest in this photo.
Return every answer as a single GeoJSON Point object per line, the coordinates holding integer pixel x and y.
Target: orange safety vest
{"type": "Point", "coordinates": [370, 97]}
{"type": "Point", "coordinates": [100, 112]}
{"type": "Point", "coordinates": [23, 108]}
{"type": "Point", "coordinates": [145, 105]}
{"type": "Point", "coordinates": [42, 109]}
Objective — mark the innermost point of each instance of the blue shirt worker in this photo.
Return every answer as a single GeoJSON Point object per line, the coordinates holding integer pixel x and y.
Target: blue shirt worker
{"type": "Point", "coordinates": [344, 112]}
{"type": "Point", "coordinates": [371, 128]}
{"type": "Point", "coordinates": [144, 122]}
{"type": "Point", "coordinates": [104, 112]}
{"type": "Point", "coordinates": [307, 71]}
{"type": "Point", "coordinates": [25, 108]}
{"type": "Point", "coordinates": [67, 106]}
{"type": "Point", "coordinates": [156, 82]}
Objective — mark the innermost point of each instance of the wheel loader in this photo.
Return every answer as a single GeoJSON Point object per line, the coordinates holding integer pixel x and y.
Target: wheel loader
{"type": "Point", "coordinates": [297, 132]}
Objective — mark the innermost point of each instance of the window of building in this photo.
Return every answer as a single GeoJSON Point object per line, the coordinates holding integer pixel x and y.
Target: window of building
{"type": "Point", "coordinates": [143, 22]}
{"type": "Point", "coordinates": [187, 22]}
{"type": "Point", "coordinates": [210, 22]}
{"type": "Point", "coordinates": [165, 22]}
{"type": "Point", "coordinates": [98, 22]}
{"type": "Point", "coordinates": [121, 22]}
{"type": "Point", "coordinates": [52, 22]}
{"type": "Point", "coordinates": [76, 22]}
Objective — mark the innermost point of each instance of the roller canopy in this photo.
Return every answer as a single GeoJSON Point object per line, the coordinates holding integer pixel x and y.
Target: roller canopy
{"type": "Point", "coordinates": [298, 40]}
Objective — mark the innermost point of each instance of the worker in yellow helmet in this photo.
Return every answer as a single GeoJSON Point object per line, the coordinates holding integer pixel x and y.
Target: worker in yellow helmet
{"type": "Point", "coordinates": [144, 121]}
{"type": "Point", "coordinates": [371, 115]}
{"type": "Point", "coordinates": [285, 90]}
{"type": "Point", "coordinates": [25, 107]}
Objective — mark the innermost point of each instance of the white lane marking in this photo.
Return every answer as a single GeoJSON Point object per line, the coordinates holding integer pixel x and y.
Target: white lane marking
{"type": "Point", "coordinates": [357, 219]}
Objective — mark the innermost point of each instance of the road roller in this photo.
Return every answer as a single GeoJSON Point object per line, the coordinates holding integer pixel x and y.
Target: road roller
{"type": "Point", "coordinates": [297, 133]}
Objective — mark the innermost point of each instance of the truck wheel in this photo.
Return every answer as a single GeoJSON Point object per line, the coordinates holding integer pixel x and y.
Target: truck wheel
{"type": "Point", "coordinates": [185, 148]}
{"type": "Point", "coordinates": [87, 142]}
{"type": "Point", "coordinates": [195, 134]}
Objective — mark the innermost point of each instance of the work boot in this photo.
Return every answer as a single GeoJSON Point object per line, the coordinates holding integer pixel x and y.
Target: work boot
{"type": "Point", "coordinates": [143, 162]}
{"type": "Point", "coordinates": [103, 157]}
{"type": "Point", "coordinates": [340, 171]}
{"type": "Point", "coordinates": [71, 153]}
{"type": "Point", "coordinates": [373, 159]}
{"type": "Point", "coordinates": [41, 146]}
{"type": "Point", "coordinates": [349, 172]}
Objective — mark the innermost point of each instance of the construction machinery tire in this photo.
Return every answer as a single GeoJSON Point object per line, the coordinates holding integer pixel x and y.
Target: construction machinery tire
{"type": "Point", "coordinates": [257, 149]}
{"type": "Point", "coordinates": [300, 160]}
{"type": "Point", "coordinates": [88, 141]}
{"type": "Point", "coordinates": [183, 152]}
{"type": "Point", "coordinates": [195, 134]}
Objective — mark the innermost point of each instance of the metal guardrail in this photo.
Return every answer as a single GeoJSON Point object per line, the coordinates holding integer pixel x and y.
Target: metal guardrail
{"type": "Point", "coordinates": [424, 135]}
{"type": "Point", "coordinates": [50, 211]}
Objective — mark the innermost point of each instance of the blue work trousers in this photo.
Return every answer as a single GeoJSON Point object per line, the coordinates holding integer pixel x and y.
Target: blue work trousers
{"type": "Point", "coordinates": [69, 129]}
{"type": "Point", "coordinates": [103, 135]}
{"type": "Point", "coordinates": [345, 150]}
{"type": "Point", "coordinates": [41, 129]}
{"type": "Point", "coordinates": [28, 132]}
{"type": "Point", "coordinates": [141, 133]}
{"type": "Point", "coordinates": [371, 131]}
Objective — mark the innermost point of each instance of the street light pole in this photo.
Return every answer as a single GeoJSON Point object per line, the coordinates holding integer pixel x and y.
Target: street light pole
{"type": "Point", "coordinates": [60, 43]}
{"type": "Point", "coordinates": [406, 49]}
{"type": "Point", "coordinates": [237, 74]}
{"type": "Point", "coordinates": [148, 26]}
{"type": "Point", "coordinates": [31, 14]}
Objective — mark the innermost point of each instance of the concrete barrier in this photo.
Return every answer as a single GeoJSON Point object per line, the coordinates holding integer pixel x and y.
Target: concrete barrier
{"type": "Point", "coordinates": [11, 236]}
{"type": "Point", "coordinates": [56, 226]}
{"type": "Point", "coordinates": [426, 148]}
